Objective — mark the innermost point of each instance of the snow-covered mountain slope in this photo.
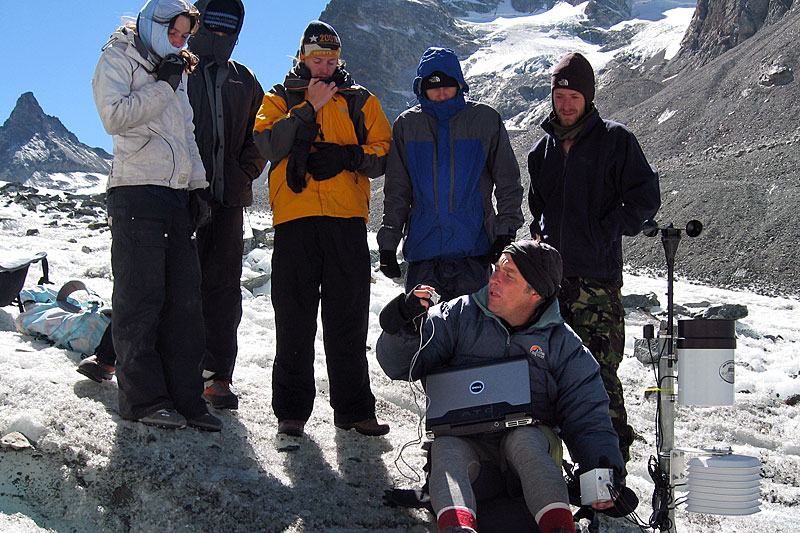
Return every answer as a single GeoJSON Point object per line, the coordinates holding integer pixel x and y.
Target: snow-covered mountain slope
{"type": "Point", "coordinates": [511, 68]}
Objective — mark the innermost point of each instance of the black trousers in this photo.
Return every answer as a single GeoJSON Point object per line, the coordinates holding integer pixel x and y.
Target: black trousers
{"type": "Point", "coordinates": [321, 259]}
{"type": "Point", "coordinates": [220, 246]}
{"type": "Point", "coordinates": [158, 319]}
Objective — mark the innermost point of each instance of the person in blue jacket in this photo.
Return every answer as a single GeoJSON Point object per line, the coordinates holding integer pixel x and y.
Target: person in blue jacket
{"type": "Point", "coordinates": [448, 156]}
{"type": "Point", "coordinates": [590, 185]}
{"type": "Point", "coordinates": [516, 314]}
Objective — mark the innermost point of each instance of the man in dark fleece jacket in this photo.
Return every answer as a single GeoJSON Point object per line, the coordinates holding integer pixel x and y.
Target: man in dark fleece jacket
{"type": "Point", "coordinates": [449, 155]}
{"type": "Point", "coordinates": [225, 96]}
{"type": "Point", "coordinates": [590, 185]}
{"type": "Point", "coordinates": [515, 315]}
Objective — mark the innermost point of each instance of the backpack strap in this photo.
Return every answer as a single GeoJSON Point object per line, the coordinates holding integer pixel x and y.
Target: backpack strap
{"type": "Point", "coordinates": [68, 288]}
{"type": "Point", "coordinates": [356, 98]}
{"type": "Point", "coordinates": [45, 279]}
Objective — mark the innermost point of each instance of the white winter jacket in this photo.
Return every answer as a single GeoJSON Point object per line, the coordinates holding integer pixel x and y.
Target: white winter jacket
{"type": "Point", "coordinates": [151, 124]}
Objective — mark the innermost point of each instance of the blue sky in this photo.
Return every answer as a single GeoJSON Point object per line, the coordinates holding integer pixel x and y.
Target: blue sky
{"type": "Point", "coordinates": [51, 48]}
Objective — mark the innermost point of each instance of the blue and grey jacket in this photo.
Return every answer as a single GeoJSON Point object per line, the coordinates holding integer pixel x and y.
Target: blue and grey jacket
{"type": "Point", "coordinates": [566, 388]}
{"type": "Point", "coordinates": [445, 161]}
{"type": "Point", "coordinates": [582, 204]}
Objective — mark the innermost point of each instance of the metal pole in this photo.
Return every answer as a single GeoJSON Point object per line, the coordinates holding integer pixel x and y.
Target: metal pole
{"type": "Point", "coordinates": [667, 379]}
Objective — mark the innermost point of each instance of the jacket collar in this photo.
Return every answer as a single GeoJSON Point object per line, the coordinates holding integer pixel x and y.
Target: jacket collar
{"type": "Point", "coordinates": [443, 111]}
{"type": "Point", "coordinates": [134, 47]}
{"type": "Point", "coordinates": [299, 76]}
{"type": "Point", "coordinates": [592, 120]}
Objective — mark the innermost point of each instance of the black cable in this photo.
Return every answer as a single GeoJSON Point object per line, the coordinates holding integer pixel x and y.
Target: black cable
{"type": "Point", "coordinates": [662, 500]}
{"type": "Point", "coordinates": [630, 516]}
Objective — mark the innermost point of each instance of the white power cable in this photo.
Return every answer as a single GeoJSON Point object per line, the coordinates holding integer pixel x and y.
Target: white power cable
{"type": "Point", "coordinates": [416, 388]}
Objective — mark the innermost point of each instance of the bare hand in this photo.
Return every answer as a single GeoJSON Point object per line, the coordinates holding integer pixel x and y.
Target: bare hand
{"type": "Point", "coordinates": [423, 292]}
{"type": "Point", "coordinates": [603, 505]}
{"type": "Point", "coordinates": [320, 92]}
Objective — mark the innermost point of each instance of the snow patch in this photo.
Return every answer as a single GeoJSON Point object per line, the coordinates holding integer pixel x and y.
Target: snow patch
{"type": "Point", "coordinates": [666, 115]}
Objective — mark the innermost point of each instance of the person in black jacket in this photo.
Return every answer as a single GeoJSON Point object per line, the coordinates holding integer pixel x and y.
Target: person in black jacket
{"type": "Point", "coordinates": [590, 185]}
{"type": "Point", "coordinates": [225, 96]}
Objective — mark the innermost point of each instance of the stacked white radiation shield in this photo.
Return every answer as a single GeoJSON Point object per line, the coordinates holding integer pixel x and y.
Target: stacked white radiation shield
{"type": "Point", "coordinates": [718, 484]}
{"type": "Point", "coordinates": [725, 485]}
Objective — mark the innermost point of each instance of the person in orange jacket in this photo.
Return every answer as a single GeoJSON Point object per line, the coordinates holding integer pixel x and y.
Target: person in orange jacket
{"type": "Point", "coordinates": [324, 136]}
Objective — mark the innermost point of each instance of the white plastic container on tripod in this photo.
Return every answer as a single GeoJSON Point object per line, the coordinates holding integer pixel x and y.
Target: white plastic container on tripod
{"type": "Point", "coordinates": [705, 352]}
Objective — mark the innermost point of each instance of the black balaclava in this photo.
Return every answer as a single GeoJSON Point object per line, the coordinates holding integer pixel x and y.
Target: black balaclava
{"type": "Point", "coordinates": [224, 16]}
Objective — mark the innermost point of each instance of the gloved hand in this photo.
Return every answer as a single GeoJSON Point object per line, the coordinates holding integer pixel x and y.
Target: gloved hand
{"type": "Point", "coordinates": [200, 207]}
{"type": "Point", "coordinates": [332, 158]}
{"type": "Point", "coordinates": [171, 69]}
{"type": "Point", "coordinates": [404, 312]}
{"type": "Point", "coordinates": [297, 166]}
{"type": "Point", "coordinates": [496, 249]}
{"type": "Point", "coordinates": [389, 266]}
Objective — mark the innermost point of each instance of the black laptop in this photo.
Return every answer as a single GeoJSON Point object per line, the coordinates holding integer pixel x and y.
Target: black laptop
{"type": "Point", "coordinates": [482, 398]}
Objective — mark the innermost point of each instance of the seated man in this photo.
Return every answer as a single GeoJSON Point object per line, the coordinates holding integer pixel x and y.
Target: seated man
{"type": "Point", "coordinates": [516, 314]}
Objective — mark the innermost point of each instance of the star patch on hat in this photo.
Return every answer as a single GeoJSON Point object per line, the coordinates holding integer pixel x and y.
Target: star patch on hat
{"type": "Point", "coordinates": [320, 40]}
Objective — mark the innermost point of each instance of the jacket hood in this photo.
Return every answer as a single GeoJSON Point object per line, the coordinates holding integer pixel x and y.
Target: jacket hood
{"type": "Point", "coordinates": [126, 35]}
{"type": "Point", "coordinates": [550, 317]}
{"type": "Point", "coordinates": [206, 44]}
{"type": "Point", "coordinates": [441, 59]}
{"type": "Point", "coordinates": [152, 25]}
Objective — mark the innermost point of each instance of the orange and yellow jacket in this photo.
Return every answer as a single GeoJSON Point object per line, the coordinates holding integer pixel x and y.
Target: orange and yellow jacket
{"type": "Point", "coordinates": [352, 116]}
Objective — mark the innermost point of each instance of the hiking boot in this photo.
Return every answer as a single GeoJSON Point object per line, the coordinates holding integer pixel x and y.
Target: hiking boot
{"type": "Point", "coordinates": [165, 418]}
{"type": "Point", "coordinates": [205, 422]}
{"type": "Point", "coordinates": [219, 396]}
{"type": "Point", "coordinates": [95, 370]}
{"type": "Point", "coordinates": [293, 428]}
{"type": "Point", "coordinates": [370, 427]}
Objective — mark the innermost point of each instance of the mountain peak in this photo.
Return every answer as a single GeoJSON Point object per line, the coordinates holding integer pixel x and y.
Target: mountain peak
{"type": "Point", "coordinates": [34, 142]}
{"type": "Point", "coordinates": [28, 106]}
{"type": "Point", "coordinates": [28, 118]}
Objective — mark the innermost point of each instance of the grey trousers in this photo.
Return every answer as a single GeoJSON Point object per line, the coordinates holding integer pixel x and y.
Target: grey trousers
{"type": "Point", "coordinates": [455, 464]}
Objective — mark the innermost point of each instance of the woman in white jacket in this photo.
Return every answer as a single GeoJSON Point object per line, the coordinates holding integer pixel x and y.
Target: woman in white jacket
{"type": "Point", "coordinates": [139, 88]}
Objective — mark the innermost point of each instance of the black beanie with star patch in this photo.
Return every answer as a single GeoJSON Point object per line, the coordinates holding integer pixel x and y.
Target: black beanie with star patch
{"type": "Point", "coordinates": [320, 40]}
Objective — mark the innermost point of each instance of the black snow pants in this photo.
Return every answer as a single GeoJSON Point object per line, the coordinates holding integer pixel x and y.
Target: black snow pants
{"type": "Point", "coordinates": [158, 319]}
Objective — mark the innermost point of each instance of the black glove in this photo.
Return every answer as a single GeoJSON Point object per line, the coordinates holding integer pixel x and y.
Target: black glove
{"type": "Point", "coordinates": [497, 247]}
{"type": "Point", "coordinates": [200, 207]}
{"type": "Point", "coordinates": [296, 168]}
{"type": "Point", "coordinates": [171, 69]}
{"type": "Point", "coordinates": [404, 312]}
{"type": "Point", "coordinates": [332, 158]}
{"type": "Point", "coordinates": [389, 265]}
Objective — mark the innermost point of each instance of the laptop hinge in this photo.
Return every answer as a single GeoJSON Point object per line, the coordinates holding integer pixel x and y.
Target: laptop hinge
{"type": "Point", "coordinates": [511, 421]}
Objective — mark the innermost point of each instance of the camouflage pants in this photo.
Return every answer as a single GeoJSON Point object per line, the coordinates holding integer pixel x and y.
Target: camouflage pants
{"type": "Point", "coordinates": [593, 308]}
